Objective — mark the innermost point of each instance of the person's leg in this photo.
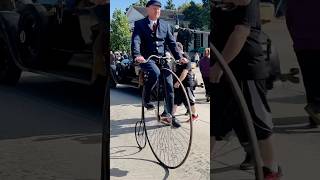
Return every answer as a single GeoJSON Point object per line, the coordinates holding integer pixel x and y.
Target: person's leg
{"type": "Point", "coordinates": [268, 153]}
{"type": "Point", "coordinates": [192, 101]}
{"type": "Point", "coordinates": [220, 124]}
{"type": "Point", "coordinates": [212, 143]}
{"type": "Point", "coordinates": [177, 101]}
{"type": "Point", "coordinates": [153, 74]}
{"type": "Point", "coordinates": [255, 94]}
{"type": "Point", "coordinates": [168, 88]}
{"type": "Point", "coordinates": [206, 84]}
{"type": "Point", "coordinates": [309, 63]}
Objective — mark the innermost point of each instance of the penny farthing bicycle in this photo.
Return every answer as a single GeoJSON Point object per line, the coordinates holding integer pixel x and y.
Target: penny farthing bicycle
{"type": "Point", "coordinates": [170, 146]}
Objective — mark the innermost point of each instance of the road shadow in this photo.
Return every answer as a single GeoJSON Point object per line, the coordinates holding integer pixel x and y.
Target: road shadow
{"type": "Point", "coordinates": [294, 125]}
{"type": "Point", "coordinates": [125, 95]}
{"type": "Point", "coordinates": [166, 170]}
{"type": "Point", "coordinates": [127, 126]}
{"type": "Point", "coordinates": [227, 168]}
{"type": "Point", "coordinates": [82, 139]}
{"type": "Point", "coordinates": [116, 172]}
{"type": "Point", "coordinates": [298, 99]}
{"type": "Point", "coordinates": [123, 151]}
{"type": "Point", "coordinates": [43, 106]}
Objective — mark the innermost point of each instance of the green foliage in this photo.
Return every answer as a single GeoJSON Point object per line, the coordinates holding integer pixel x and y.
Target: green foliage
{"type": "Point", "coordinates": [141, 3]}
{"type": "Point", "coordinates": [170, 5]}
{"type": "Point", "coordinates": [197, 14]}
{"type": "Point", "coordinates": [120, 32]}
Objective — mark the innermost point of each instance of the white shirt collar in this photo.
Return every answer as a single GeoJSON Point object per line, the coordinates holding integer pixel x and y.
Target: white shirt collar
{"type": "Point", "coordinates": [152, 23]}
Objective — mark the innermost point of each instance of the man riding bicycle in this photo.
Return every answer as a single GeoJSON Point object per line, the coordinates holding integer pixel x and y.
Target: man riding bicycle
{"type": "Point", "coordinates": [150, 36]}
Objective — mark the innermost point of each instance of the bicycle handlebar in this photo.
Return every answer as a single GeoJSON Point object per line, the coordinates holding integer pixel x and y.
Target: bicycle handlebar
{"type": "Point", "coordinates": [160, 57]}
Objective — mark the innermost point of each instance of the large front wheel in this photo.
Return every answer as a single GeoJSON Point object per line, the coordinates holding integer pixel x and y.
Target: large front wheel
{"type": "Point", "coordinates": [170, 146]}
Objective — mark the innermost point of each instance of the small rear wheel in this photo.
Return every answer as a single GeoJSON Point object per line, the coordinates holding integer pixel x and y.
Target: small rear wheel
{"type": "Point", "coordinates": [140, 134]}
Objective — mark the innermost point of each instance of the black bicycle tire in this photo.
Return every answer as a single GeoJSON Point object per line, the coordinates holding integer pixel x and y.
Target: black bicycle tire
{"type": "Point", "coordinates": [191, 130]}
{"type": "Point", "coordinates": [143, 145]}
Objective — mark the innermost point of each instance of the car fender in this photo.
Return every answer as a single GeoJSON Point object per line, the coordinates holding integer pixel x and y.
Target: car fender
{"type": "Point", "coordinates": [9, 24]}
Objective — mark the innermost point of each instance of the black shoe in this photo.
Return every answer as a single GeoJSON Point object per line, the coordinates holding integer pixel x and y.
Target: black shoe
{"type": "Point", "coordinates": [312, 124]}
{"type": "Point", "coordinates": [248, 163]}
{"type": "Point", "coordinates": [175, 123]}
{"type": "Point", "coordinates": [149, 106]}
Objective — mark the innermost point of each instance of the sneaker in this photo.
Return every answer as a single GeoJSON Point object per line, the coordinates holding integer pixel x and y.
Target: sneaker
{"type": "Point", "coordinates": [149, 106]}
{"type": "Point", "coordinates": [170, 121]}
{"type": "Point", "coordinates": [313, 112]}
{"type": "Point", "coordinates": [165, 121]}
{"type": "Point", "coordinates": [248, 163]}
{"type": "Point", "coordinates": [165, 115]}
{"type": "Point", "coordinates": [194, 117]}
{"type": "Point", "coordinates": [269, 175]}
{"type": "Point", "coordinates": [165, 118]}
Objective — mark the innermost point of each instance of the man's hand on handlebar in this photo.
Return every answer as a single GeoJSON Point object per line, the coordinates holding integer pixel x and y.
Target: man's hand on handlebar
{"type": "Point", "coordinates": [139, 59]}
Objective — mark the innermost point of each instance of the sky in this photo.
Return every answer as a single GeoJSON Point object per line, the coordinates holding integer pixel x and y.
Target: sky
{"type": "Point", "coordinates": [123, 4]}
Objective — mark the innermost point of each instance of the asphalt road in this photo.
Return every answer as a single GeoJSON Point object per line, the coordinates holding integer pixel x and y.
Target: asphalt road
{"type": "Point", "coordinates": [50, 129]}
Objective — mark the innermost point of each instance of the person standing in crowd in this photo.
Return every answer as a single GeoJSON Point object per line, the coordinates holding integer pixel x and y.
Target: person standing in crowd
{"type": "Point", "coordinates": [183, 71]}
{"type": "Point", "coordinates": [304, 30]}
{"type": "Point", "coordinates": [236, 32]}
{"type": "Point", "coordinates": [204, 66]}
{"type": "Point", "coordinates": [196, 58]}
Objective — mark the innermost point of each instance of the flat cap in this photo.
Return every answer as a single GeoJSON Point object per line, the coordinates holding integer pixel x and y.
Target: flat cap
{"type": "Point", "coordinates": [153, 2]}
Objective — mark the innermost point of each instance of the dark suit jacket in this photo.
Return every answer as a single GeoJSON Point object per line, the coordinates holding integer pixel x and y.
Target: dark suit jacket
{"type": "Point", "coordinates": [145, 43]}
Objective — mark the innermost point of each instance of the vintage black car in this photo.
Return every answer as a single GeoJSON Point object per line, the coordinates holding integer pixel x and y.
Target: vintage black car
{"type": "Point", "coordinates": [60, 38]}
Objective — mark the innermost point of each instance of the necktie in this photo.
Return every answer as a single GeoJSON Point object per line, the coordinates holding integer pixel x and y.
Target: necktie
{"type": "Point", "coordinates": [154, 27]}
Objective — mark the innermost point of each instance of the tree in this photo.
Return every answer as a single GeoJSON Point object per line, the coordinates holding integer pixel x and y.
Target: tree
{"type": "Point", "coordinates": [170, 5]}
{"type": "Point", "coordinates": [141, 3]}
{"type": "Point", "coordinates": [197, 14]}
{"type": "Point", "coordinates": [206, 14]}
{"type": "Point", "coordinates": [183, 7]}
{"type": "Point", "coordinates": [193, 13]}
{"type": "Point", "coordinates": [120, 32]}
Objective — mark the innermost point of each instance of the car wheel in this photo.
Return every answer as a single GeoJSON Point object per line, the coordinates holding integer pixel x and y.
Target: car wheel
{"type": "Point", "coordinates": [9, 72]}
{"type": "Point", "coordinates": [32, 34]}
{"type": "Point", "coordinates": [112, 82]}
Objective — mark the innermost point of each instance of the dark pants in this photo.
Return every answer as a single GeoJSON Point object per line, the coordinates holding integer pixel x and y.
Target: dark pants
{"type": "Point", "coordinates": [309, 62]}
{"type": "Point", "coordinates": [226, 115]}
{"type": "Point", "coordinates": [206, 81]}
{"type": "Point", "coordinates": [153, 73]}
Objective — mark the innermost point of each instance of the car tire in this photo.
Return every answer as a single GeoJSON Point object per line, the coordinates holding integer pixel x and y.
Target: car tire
{"type": "Point", "coordinates": [32, 34]}
{"type": "Point", "coordinates": [9, 72]}
{"type": "Point", "coordinates": [112, 82]}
